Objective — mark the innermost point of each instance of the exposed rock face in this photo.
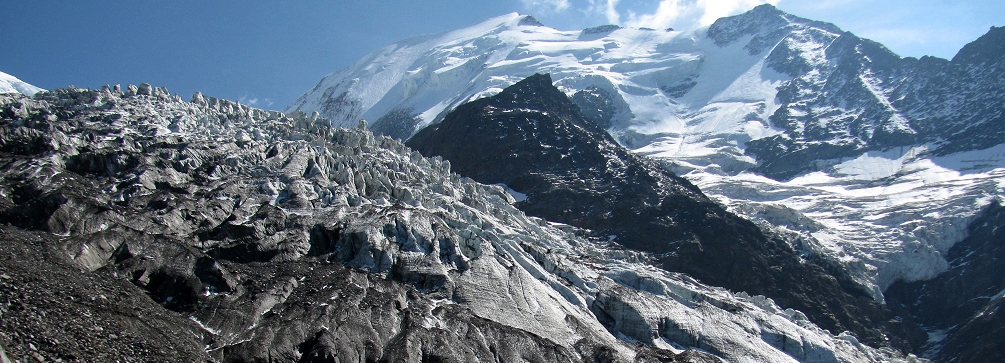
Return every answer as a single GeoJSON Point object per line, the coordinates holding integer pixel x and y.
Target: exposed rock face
{"type": "Point", "coordinates": [532, 138]}
{"type": "Point", "coordinates": [863, 97]}
{"type": "Point", "coordinates": [965, 303]}
{"type": "Point", "coordinates": [141, 227]}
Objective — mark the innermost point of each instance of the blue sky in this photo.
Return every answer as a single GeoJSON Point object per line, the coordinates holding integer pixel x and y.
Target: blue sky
{"type": "Point", "coordinates": [267, 53]}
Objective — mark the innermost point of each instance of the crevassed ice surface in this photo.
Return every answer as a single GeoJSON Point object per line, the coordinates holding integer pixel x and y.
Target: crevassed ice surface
{"type": "Point", "coordinates": [687, 101]}
{"type": "Point", "coordinates": [522, 272]}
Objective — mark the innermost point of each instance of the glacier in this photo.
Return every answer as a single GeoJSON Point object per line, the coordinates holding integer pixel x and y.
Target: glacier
{"type": "Point", "coordinates": [270, 236]}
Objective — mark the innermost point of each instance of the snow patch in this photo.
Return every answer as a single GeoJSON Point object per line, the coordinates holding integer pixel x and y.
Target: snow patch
{"type": "Point", "coordinates": [10, 84]}
{"type": "Point", "coordinates": [517, 196]}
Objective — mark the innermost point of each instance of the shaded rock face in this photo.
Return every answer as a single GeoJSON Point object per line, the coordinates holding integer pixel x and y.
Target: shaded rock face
{"type": "Point", "coordinates": [532, 138]}
{"type": "Point", "coordinates": [963, 304]}
{"type": "Point", "coordinates": [596, 105]}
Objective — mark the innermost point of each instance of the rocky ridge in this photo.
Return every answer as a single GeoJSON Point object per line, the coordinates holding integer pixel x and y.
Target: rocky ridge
{"type": "Point", "coordinates": [161, 230]}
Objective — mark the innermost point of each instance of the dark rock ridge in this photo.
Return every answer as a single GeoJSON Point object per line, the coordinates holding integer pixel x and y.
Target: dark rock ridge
{"type": "Point", "coordinates": [966, 302]}
{"type": "Point", "coordinates": [532, 138]}
{"type": "Point", "coordinates": [862, 97]}
{"type": "Point", "coordinates": [138, 227]}
{"type": "Point", "coordinates": [530, 20]}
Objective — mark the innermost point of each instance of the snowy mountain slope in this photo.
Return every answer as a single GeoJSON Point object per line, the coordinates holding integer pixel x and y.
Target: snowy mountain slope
{"type": "Point", "coordinates": [10, 84]}
{"type": "Point", "coordinates": [843, 129]}
{"type": "Point", "coordinates": [249, 235]}
{"type": "Point", "coordinates": [888, 215]}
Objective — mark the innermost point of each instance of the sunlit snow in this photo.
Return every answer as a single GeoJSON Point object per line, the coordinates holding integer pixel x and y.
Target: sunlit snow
{"type": "Point", "coordinates": [10, 84]}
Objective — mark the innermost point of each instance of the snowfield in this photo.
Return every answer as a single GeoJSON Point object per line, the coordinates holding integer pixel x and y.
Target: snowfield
{"type": "Point", "coordinates": [10, 84]}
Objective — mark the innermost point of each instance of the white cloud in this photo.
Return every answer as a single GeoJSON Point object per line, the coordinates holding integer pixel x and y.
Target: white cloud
{"type": "Point", "coordinates": [545, 6]}
{"type": "Point", "coordinates": [611, 12]}
{"type": "Point", "coordinates": [255, 102]}
{"type": "Point", "coordinates": [715, 9]}
{"type": "Point", "coordinates": [688, 14]}
{"type": "Point", "coordinates": [657, 14]}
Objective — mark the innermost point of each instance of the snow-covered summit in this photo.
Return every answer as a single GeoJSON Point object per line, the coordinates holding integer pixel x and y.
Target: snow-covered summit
{"type": "Point", "coordinates": [10, 84]}
{"type": "Point", "coordinates": [643, 71]}
{"type": "Point", "coordinates": [790, 121]}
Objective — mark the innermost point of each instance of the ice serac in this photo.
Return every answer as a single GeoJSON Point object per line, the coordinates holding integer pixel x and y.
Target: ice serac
{"type": "Point", "coordinates": [138, 227]}
{"type": "Point", "coordinates": [533, 139]}
{"type": "Point", "coordinates": [10, 84]}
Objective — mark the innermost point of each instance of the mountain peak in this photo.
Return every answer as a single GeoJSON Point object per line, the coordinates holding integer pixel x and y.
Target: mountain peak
{"type": "Point", "coordinates": [530, 20]}
{"type": "Point", "coordinates": [763, 21]}
{"type": "Point", "coordinates": [989, 47]}
{"type": "Point", "coordinates": [766, 9]}
{"type": "Point", "coordinates": [538, 81]}
{"type": "Point", "coordinates": [504, 21]}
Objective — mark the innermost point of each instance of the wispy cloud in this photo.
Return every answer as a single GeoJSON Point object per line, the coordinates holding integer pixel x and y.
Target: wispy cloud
{"type": "Point", "coordinates": [659, 14]}
{"type": "Point", "coordinates": [611, 11]}
{"type": "Point", "coordinates": [545, 6]}
{"type": "Point", "coordinates": [606, 9]}
{"type": "Point", "coordinates": [255, 101]}
{"type": "Point", "coordinates": [687, 14]}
